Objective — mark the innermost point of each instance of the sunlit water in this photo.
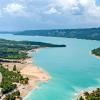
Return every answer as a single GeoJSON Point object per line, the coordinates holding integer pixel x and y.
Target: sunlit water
{"type": "Point", "coordinates": [72, 68]}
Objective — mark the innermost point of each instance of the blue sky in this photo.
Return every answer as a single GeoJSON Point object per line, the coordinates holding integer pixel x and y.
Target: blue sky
{"type": "Point", "coordinates": [48, 14]}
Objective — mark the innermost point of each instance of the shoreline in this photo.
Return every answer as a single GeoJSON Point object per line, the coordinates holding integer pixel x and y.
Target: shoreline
{"type": "Point", "coordinates": [35, 75]}
{"type": "Point", "coordinates": [81, 93]}
{"type": "Point", "coordinates": [89, 90]}
{"type": "Point", "coordinates": [98, 57]}
{"type": "Point", "coordinates": [28, 69]}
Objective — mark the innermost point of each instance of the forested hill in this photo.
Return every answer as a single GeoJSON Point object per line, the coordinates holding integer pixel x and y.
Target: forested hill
{"type": "Point", "coordinates": [10, 49]}
{"type": "Point", "coordinates": [90, 33]}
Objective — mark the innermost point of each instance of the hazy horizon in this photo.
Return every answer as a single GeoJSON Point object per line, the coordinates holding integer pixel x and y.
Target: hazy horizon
{"type": "Point", "coordinates": [48, 29]}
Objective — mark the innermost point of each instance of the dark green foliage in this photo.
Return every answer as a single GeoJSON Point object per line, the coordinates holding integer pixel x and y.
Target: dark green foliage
{"type": "Point", "coordinates": [81, 98]}
{"type": "Point", "coordinates": [24, 81]}
{"type": "Point", "coordinates": [94, 95]}
{"type": "Point", "coordinates": [12, 96]}
{"type": "Point", "coordinates": [96, 51]}
{"type": "Point", "coordinates": [9, 97]}
{"type": "Point", "coordinates": [89, 33]}
{"type": "Point", "coordinates": [14, 68]}
{"type": "Point", "coordinates": [18, 49]}
{"type": "Point", "coordinates": [10, 77]}
{"type": "Point", "coordinates": [17, 93]}
{"type": "Point", "coordinates": [7, 87]}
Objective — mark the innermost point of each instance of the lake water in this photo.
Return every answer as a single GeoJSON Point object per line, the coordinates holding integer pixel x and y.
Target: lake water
{"type": "Point", "coordinates": [72, 68]}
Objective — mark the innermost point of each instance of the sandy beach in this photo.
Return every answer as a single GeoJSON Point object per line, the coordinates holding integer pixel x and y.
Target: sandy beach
{"type": "Point", "coordinates": [98, 57]}
{"type": "Point", "coordinates": [35, 76]}
{"type": "Point", "coordinates": [81, 93]}
{"type": "Point", "coordinates": [33, 72]}
{"type": "Point", "coordinates": [95, 56]}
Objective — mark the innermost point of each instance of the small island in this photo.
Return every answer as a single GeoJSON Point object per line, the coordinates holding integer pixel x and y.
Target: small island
{"type": "Point", "coordinates": [96, 52]}
{"type": "Point", "coordinates": [18, 74]}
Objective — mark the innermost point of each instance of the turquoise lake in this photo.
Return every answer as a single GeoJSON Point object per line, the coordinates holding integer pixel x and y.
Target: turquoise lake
{"type": "Point", "coordinates": [72, 68]}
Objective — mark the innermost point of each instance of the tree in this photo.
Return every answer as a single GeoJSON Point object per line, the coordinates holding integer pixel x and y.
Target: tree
{"type": "Point", "coordinates": [14, 68]}
{"type": "Point", "coordinates": [81, 98]}
{"type": "Point", "coordinates": [17, 93]}
{"type": "Point", "coordinates": [86, 94]}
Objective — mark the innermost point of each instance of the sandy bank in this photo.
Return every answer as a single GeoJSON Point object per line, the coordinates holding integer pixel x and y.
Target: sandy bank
{"type": "Point", "coordinates": [81, 93]}
{"type": "Point", "coordinates": [34, 73]}
{"type": "Point", "coordinates": [98, 57]}
{"type": "Point", "coordinates": [35, 76]}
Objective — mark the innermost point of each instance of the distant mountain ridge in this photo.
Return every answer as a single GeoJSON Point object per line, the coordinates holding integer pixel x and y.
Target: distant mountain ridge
{"type": "Point", "coordinates": [88, 33]}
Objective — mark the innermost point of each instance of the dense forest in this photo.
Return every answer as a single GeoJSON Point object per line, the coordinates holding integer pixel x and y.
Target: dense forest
{"type": "Point", "coordinates": [96, 52]}
{"type": "Point", "coordinates": [8, 84]}
{"type": "Point", "coordinates": [89, 33]}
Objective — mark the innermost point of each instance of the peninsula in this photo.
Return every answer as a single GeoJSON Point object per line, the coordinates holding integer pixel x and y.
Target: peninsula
{"type": "Point", "coordinates": [19, 74]}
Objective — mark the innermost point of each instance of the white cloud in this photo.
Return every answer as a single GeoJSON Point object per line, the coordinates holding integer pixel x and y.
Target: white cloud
{"type": "Point", "coordinates": [69, 6]}
{"type": "Point", "coordinates": [90, 7]}
{"type": "Point", "coordinates": [52, 10]}
{"type": "Point", "coordinates": [77, 7]}
{"type": "Point", "coordinates": [14, 8]}
{"type": "Point", "coordinates": [57, 13]}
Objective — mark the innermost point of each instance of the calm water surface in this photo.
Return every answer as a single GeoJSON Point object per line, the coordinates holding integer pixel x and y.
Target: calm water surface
{"type": "Point", "coordinates": [72, 68]}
